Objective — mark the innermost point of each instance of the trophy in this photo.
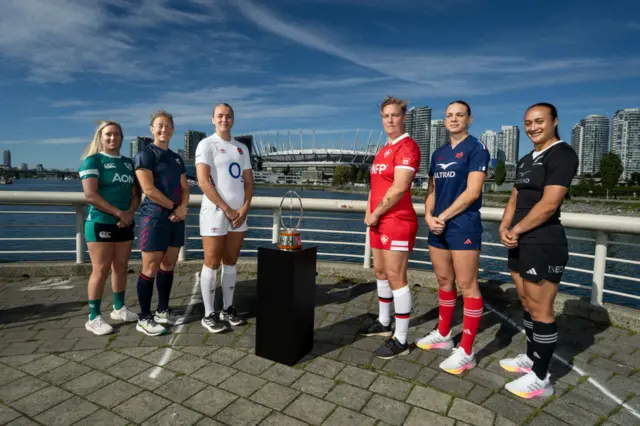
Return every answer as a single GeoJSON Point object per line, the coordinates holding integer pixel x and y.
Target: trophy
{"type": "Point", "coordinates": [289, 238]}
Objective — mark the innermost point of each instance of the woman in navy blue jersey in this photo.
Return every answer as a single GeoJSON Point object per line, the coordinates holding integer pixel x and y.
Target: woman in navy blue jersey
{"type": "Point", "coordinates": [538, 250]}
{"type": "Point", "coordinates": [454, 197]}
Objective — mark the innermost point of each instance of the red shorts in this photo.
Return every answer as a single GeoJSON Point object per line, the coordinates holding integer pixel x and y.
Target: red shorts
{"type": "Point", "coordinates": [393, 234]}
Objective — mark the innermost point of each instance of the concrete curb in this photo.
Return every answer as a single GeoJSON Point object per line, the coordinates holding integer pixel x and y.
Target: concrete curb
{"type": "Point", "coordinates": [493, 291]}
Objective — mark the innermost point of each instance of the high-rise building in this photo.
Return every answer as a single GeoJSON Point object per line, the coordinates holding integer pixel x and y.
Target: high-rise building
{"type": "Point", "coordinates": [490, 139]}
{"type": "Point", "coordinates": [7, 159]}
{"type": "Point", "coordinates": [625, 139]}
{"type": "Point", "coordinates": [138, 144]}
{"type": "Point", "coordinates": [191, 140]}
{"type": "Point", "coordinates": [39, 168]}
{"type": "Point", "coordinates": [439, 136]}
{"type": "Point", "coordinates": [590, 141]}
{"type": "Point", "coordinates": [509, 141]}
{"type": "Point", "coordinates": [24, 166]}
{"type": "Point", "coordinates": [418, 125]}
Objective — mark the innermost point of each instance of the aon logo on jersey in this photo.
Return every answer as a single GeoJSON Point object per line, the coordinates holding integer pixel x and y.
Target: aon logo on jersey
{"type": "Point", "coordinates": [122, 178]}
{"type": "Point", "coordinates": [378, 168]}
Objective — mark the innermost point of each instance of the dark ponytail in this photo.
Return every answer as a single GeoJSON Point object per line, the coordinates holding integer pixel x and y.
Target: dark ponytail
{"type": "Point", "coordinates": [553, 111]}
{"type": "Point", "coordinates": [462, 103]}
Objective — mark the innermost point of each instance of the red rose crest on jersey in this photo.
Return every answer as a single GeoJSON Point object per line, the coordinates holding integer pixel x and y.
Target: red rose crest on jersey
{"type": "Point", "coordinates": [240, 151]}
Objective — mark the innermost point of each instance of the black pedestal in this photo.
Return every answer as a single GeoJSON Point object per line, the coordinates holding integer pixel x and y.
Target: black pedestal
{"type": "Point", "coordinates": [286, 303]}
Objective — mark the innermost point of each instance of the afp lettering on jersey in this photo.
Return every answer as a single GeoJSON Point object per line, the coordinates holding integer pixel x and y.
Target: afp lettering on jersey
{"type": "Point", "coordinates": [377, 169]}
{"type": "Point", "coordinates": [122, 178]}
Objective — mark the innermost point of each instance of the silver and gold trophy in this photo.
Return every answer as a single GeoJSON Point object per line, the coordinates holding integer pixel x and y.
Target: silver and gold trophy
{"type": "Point", "coordinates": [289, 238]}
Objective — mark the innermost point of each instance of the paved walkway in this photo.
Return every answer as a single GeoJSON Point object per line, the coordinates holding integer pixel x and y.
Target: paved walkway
{"type": "Point", "coordinates": [52, 371]}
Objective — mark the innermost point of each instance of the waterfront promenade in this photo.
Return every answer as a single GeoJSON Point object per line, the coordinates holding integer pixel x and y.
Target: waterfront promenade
{"type": "Point", "coordinates": [52, 371]}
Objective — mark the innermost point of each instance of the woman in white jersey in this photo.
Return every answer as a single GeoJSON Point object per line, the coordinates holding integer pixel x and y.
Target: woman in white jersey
{"type": "Point", "coordinates": [223, 167]}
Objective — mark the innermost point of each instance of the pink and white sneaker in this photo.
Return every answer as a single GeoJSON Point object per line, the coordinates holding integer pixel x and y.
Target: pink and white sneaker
{"type": "Point", "coordinates": [435, 340]}
{"type": "Point", "coordinates": [520, 364]}
{"type": "Point", "coordinates": [458, 362]}
{"type": "Point", "coordinates": [530, 386]}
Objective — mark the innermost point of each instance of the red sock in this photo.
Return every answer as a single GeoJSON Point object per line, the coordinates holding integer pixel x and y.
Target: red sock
{"type": "Point", "coordinates": [447, 307]}
{"type": "Point", "coordinates": [470, 322]}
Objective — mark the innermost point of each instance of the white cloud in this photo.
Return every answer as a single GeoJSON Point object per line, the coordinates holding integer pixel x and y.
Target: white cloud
{"type": "Point", "coordinates": [49, 141]}
{"type": "Point", "coordinates": [70, 104]}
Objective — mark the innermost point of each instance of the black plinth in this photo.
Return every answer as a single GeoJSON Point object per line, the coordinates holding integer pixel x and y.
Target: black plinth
{"type": "Point", "coordinates": [286, 303]}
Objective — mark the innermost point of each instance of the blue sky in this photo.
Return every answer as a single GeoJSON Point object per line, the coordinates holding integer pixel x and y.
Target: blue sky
{"type": "Point", "coordinates": [296, 64]}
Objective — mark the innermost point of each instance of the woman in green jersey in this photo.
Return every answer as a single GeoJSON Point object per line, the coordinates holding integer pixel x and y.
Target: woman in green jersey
{"type": "Point", "coordinates": [109, 186]}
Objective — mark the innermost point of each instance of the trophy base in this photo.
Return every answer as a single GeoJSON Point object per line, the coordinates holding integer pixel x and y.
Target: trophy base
{"type": "Point", "coordinates": [286, 304]}
{"type": "Point", "coordinates": [289, 241]}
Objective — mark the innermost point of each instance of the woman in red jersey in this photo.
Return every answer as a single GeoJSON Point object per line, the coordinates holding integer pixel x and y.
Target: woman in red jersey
{"type": "Point", "coordinates": [393, 225]}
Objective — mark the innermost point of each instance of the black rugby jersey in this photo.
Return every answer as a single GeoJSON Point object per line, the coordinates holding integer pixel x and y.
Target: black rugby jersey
{"type": "Point", "coordinates": [557, 165]}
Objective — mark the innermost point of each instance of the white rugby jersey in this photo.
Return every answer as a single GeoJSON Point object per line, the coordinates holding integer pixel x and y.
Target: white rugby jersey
{"type": "Point", "coordinates": [227, 159]}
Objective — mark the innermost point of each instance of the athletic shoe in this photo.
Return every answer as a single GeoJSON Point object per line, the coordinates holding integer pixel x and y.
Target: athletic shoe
{"type": "Point", "coordinates": [391, 349]}
{"type": "Point", "coordinates": [150, 327]}
{"type": "Point", "coordinates": [168, 317]}
{"type": "Point", "coordinates": [231, 316]}
{"type": "Point", "coordinates": [435, 340]}
{"type": "Point", "coordinates": [530, 386]}
{"type": "Point", "coordinates": [458, 362]}
{"type": "Point", "coordinates": [98, 326]}
{"type": "Point", "coordinates": [376, 329]}
{"type": "Point", "coordinates": [124, 314]}
{"type": "Point", "coordinates": [214, 324]}
{"type": "Point", "coordinates": [520, 364]}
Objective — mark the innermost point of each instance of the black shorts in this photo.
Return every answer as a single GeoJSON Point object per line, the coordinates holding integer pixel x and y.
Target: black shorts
{"type": "Point", "coordinates": [540, 262]}
{"type": "Point", "coordinates": [95, 232]}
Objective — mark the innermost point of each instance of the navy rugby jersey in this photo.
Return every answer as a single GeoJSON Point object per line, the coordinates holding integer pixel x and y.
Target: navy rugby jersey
{"type": "Point", "coordinates": [450, 169]}
{"type": "Point", "coordinates": [167, 168]}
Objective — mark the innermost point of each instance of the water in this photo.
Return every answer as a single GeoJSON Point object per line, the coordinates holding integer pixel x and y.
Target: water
{"type": "Point", "coordinates": [40, 226]}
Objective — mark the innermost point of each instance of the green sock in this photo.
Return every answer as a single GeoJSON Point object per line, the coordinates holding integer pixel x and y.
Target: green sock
{"type": "Point", "coordinates": [94, 308]}
{"type": "Point", "coordinates": [118, 300]}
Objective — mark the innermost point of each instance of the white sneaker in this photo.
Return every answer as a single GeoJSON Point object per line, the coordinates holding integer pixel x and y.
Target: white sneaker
{"type": "Point", "coordinates": [124, 314]}
{"type": "Point", "coordinates": [458, 362]}
{"type": "Point", "coordinates": [520, 364]}
{"type": "Point", "coordinates": [435, 340]}
{"type": "Point", "coordinates": [149, 327]}
{"type": "Point", "coordinates": [98, 326]}
{"type": "Point", "coordinates": [168, 317]}
{"type": "Point", "coordinates": [530, 386]}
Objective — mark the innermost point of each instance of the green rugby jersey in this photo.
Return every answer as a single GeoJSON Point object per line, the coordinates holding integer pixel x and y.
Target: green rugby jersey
{"type": "Point", "coordinates": [115, 183]}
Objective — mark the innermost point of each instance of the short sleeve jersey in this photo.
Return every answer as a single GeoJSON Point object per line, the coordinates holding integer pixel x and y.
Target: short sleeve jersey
{"type": "Point", "coordinates": [450, 169]}
{"type": "Point", "coordinates": [401, 153]}
{"type": "Point", "coordinates": [227, 159]}
{"type": "Point", "coordinates": [167, 168]}
{"type": "Point", "coordinates": [115, 183]}
{"type": "Point", "coordinates": [556, 165]}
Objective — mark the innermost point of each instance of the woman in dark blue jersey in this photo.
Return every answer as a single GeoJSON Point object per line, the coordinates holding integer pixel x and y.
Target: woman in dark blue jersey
{"type": "Point", "coordinates": [162, 176]}
{"type": "Point", "coordinates": [452, 207]}
{"type": "Point", "coordinates": [538, 250]}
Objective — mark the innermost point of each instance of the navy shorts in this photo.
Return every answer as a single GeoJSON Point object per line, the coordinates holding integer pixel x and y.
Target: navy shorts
{"type": "Point", "coordinates": [456, 241]}
{"type": "Point", "coordinates": [160, 234]}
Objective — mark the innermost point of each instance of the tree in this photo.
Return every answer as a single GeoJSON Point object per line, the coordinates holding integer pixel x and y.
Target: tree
{"type": "Point", "coordinates": [341, 176]}
{"type": "Point", "coordinates": [610, 169]}
{"type": "Point", "coordinates": [635, 178]}
{"type": "Point", "coordinates": [360, 175]}
{"type": "Point", "coordinates": [501, 172]}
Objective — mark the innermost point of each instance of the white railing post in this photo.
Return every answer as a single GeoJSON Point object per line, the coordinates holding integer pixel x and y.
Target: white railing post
{"type": "Point", "coordinates": [276, 226]}
{"type": "Point", "coordinates": [367, 251]}
{"type": "Point", "coordinates": [79, 233]}
{"type": "Point", "coordinates": [599, 266]}
{"type": "Point", "coordinates": [182, 254]}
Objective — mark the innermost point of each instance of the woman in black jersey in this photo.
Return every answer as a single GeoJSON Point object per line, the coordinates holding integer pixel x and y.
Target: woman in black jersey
{"type": "Point", "coordinates": [538, 251]}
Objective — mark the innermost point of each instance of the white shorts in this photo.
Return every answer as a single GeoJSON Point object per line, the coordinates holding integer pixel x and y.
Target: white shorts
{"type": "Point", "coordinates": [214, 223]}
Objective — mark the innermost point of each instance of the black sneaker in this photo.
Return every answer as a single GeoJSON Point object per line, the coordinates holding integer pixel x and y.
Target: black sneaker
{"type": "Point", "coordinates": [376, 329]}
{"type": "Point", "coordinates": [214, 325]}
{"type": "Point", "coordinates": [391, 349]}
{"type": "Point", "coordinates": [232, 317]}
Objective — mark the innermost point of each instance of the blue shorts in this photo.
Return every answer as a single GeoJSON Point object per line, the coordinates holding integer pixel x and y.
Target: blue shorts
{"type": "Point", "coordinates": [160, 234]}
{"type": "Point", "coordinates": [456, 241]}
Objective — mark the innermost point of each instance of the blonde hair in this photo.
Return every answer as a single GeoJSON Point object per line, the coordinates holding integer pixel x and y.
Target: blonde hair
{"type": "Point", "coordinates": [224, 104]}
{"type": "Point", "coordinates": [96, 146]}
{"type": "Point", "coordinates": [162, 113]}
{"type": "Point", "coordinates": [390, 100]}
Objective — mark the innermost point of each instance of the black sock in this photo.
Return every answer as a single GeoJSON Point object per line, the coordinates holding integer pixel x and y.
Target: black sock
{"type": "Point", "coordinates": [528, 327]}
{"type": "Point", "coordinates": [545, 336]}
{"type": "Point", "coordinates": [164, 282]}
{"type": "Point", "coordinates": [145, 293]}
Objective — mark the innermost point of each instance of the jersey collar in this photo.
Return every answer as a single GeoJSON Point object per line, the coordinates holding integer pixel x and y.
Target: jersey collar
{"type": "Point", "coordinates": [109, 155]}
{"type": "Point", "coordinates": [399, 138]}
{"type": "Point", "coordinates": [539, 153]}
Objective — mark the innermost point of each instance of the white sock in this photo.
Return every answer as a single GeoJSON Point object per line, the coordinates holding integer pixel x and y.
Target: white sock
{"type": "Point", "coordinates": [385, 298]}
{"type": "Point", "coordinates": [208, 287]}
{"type": "Point", "coordinates": [402, 304]}
{"type": "Point", "coordinates": [228, 282]}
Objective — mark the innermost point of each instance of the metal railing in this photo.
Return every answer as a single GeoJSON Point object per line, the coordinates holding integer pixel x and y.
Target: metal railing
{"type": "Point", "coordinates": [603, 226]}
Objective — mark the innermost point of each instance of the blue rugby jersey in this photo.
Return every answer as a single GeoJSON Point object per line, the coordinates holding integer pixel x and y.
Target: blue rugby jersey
{"type": "Point", "coordinates": [167, 168]}
{"type": "Point", "coordinates": [450, 169]}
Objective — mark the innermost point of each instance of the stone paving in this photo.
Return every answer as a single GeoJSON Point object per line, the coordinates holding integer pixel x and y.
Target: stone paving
{"type": "Point", "coordinates": [54, 372]}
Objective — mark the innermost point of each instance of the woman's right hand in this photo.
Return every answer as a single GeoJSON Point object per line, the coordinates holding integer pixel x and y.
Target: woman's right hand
{"type": "Point", "coordinates": [231, 214]}
{"type": "Point", "coordinates": [506, 240]}
{"type": "Point", "coordinates": [126, 217]}
{"type": "Point", "coordinates": [436, 226]}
